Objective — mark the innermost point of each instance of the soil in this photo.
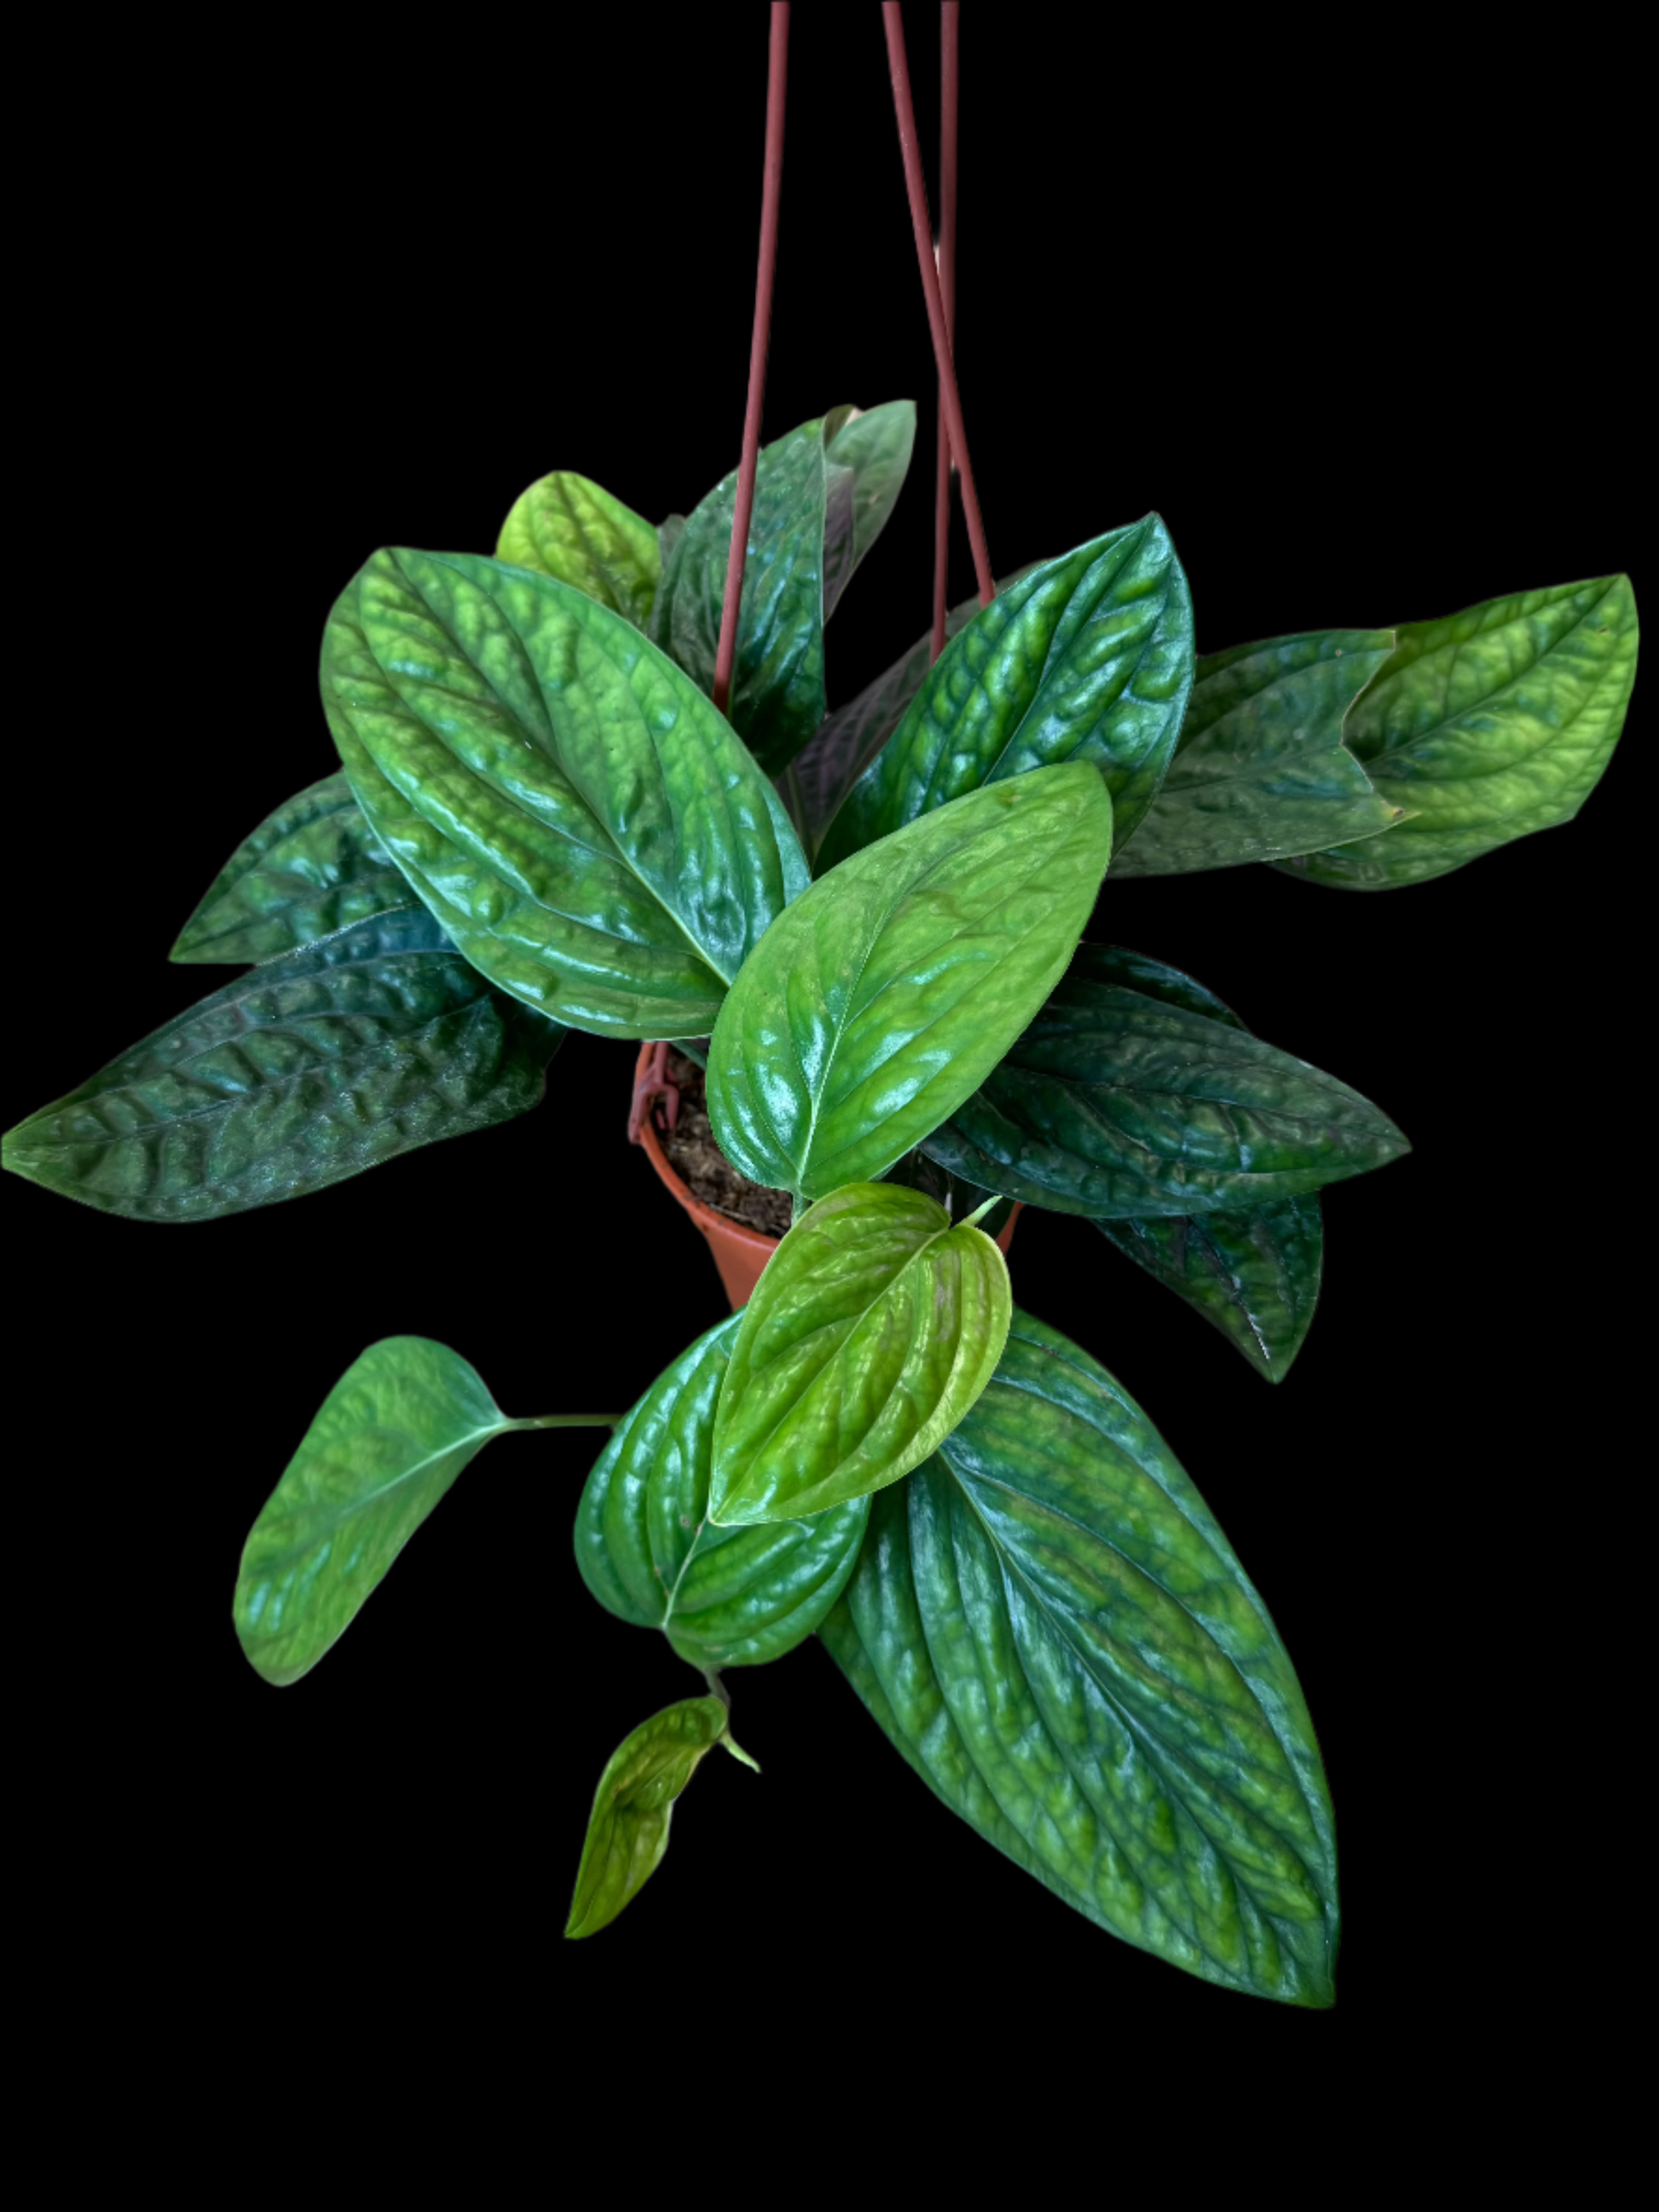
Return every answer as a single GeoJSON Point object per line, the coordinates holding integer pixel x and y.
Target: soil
{"type": "Point", "coordinates": [700, 1161]}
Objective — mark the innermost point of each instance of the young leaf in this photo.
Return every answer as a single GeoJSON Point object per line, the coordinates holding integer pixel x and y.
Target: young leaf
{"type": "Point", "coordinates": [301, 1072]}
{"type": "Point", "coordinates": [874, 1328]}
{"type": "Point", "coordinates": [649, 1554]}
{"type": "Point", "coordinates": [627, 1828]}
{"type": "Point", "coordinates": [1260, 769]}
{"type": "Point", "coordinates": [891, 989]}
{"type": "Point", "coordinates": [1089, 657]}
{"type": "Point", "coordinates": [915, 1171]}
{"type": "Point", "coordinates": [1048, 1624]}
{"type": "Point", "coordinates": [388, 1441]}
{"type": "Point", "coordinates": [1118, 1103]}
{"type": "Point", "coordinates": [567, 527]}
{"type": "Point", "coordinates": [1486, 726]}
{"type": "Point", "coordinates": [867, 459]}
{"type": "Point", "coordinates": [563, 800]}
{"type": "Point", "coordinates": [311, 867]}
{"type": "Point", "coordinates": [1253, 1274]}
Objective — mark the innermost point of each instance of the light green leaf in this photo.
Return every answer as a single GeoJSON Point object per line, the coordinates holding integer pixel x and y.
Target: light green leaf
{"type": "Point", "coordinates": [1050, 1626]}
{"type": "Point", "coordinates": [567, 527]}
{"type": "Point", "coordinates": [867, 459]}
{"type": "Point", "coordinates": [891, 989]}
{"type": "Point", "coordinates": [873, 1330]}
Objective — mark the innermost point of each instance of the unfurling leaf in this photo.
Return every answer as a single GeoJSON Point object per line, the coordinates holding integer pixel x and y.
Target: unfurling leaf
{"type": "Point", "coordinates": [890, 989]}
{"type": "Point", "coordinates": [1050, 1626]}
{"type": "Point", "coordinates": [874, 1328]}
{"type": "Point", "coordinates": [567, 527]}
{"type": "Point", "coordinates": [649, 1554]}
{"type": "Point", "coordinates": [627, 1828]}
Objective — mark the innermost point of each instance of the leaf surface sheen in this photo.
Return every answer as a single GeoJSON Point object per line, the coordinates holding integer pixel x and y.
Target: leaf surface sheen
{"type": "Point", "coordinates": [565, 527]}
{"type": "Point", "coordinates": [649, 1554]}
{"type": "Point", "coordinates": [1048, 1624]}
{"type": "Point", "coordinates": [875, 1326]}
{"type": "Point", "coordinates": [306, 1070]}
{"type": "Point", "coordinates": [867, 459]}
{"type": "Point", "coordinates": [892, 987]}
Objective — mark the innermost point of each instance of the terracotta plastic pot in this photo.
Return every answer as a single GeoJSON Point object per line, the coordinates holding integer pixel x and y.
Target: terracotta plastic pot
{"type": "Point", "coordinates": [739, 1252]}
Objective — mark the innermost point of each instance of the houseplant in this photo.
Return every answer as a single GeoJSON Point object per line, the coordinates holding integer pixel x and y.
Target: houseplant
{"type": "Point", "coordinates": [1127, 852]}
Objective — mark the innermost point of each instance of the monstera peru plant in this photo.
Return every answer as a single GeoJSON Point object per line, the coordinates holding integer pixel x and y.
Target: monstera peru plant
{"type": "Point", "coordinates": [590, 782]}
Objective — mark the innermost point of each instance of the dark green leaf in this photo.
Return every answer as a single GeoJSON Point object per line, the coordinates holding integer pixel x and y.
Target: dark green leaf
{"type": "Point", "coordinates": [305, 1070]}
{"type": "Point", "coordinates": [627, 1828]}
{"type": "Point", "coordinates": [1253, 1274]}
{"type": "Point", "coordinates": [311, 867]}
{"type": "Point", "coordinates": [1260, 769]}
{"type": "Point", "coordinates": [866, 457]}
{"type": "Point", "coordinates": [1089, 657]}
{"type": "Point", "coordinates": [567, 527]}
{"type": "Point", "coordinates": [893, 986]}
{"type": "Point", "coordinates": [873, 1328]}
{"type": "Point", "coordinates": [959, 1199]}
{"type": "Point", "coordinates": [1115, 1101]}
{"type": "Point", "coordinates": [1485, 727]}
{"type": "Point", "coordinates": [726, 1597]}
{"type": "Point", "coordinates": [569, 806]}
{"type": "Point", "coordinates": [1048, 1624]}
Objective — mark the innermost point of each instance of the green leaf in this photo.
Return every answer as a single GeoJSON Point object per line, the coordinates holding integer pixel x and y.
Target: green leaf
{"type": "Point", "coordinates": [1260, 769]}
{"type": "Point", "coordinates": [867, 459]}
{"type": "Point", "coordinates": [1089, 657]}
{"type": "Point", "coordinates": [1486, 726]}
{"type": "Point", "coordinates": [777, 677]}
{"type": "Point", "coordinates": [1115, 1101]}
{"type": "Point", "coordinates": [1050, 1626]}
{"type": "Point", "coordinates": [567, 527]}
{"type": "Point", "coordinates": [890, 989]}
{"type": "Point", "coordinates": [628, 1829]}
{"type": "Point", "coordinates": [1253, 1274]}
{"type": "Point", "coordinates": [301, 1072]}
{"type": "Point", "coordinates": [388, 1441]}
{"type": "Point", "coordinates": [649, 1554]}
{"type": "Point", "coordinates": [874, 1329]}
{"type": "Point", "coordinates": [311, 867]}
{"type": "Point", "coordinates": [915, 1171]}
{"type": "Point", "coordinates": [564, 800]}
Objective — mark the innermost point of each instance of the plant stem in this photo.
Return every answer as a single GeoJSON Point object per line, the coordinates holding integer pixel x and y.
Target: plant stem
{"type": "Point", "coordinates": [949, 54]}
{"type": "Point", "coordinates": [904, 108]}
{"type": "Point", "coordinates": [771, 187]}
{"type": "Point", "coordinates": [571, 1421]}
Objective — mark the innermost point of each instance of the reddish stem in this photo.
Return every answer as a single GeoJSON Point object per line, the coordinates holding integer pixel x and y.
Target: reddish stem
{"type": "Point", "coordinates": [950, 52]}
{"type": "Point", "coordinates": [777, 80]}
{"type": "Point", "coordinates": [655, 1084]}
{"type": "Point", "coordinates": [893, 19]}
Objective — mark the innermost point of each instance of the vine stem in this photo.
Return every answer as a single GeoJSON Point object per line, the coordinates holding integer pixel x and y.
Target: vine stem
{"type": "Point", "coordinates": [949, 72]}
{"type": "Point", "coordinates": [571, 1421]}
{"type": "Point", "coordinates": [904, 108]}
{"type": "Point", "coordinates": [771, 189]}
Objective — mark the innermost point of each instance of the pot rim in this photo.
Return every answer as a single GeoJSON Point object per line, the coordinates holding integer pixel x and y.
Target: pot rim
{"type": "Point", "coordinates": [709, 1219]}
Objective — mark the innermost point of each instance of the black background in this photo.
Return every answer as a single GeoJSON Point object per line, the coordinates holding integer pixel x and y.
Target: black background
{"type": "Point", "coordinates": [1358, 331]}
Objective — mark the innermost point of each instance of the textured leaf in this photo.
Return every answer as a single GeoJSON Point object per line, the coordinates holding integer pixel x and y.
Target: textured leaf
{"type": "Point", "coordinates": [564, 800]}
{"type": "Point", "coordinates": [1255, 1274]}
{"type": "Point", "coordinates": [305, 1070]}
{"type": "Point", "coordinates": [567, 527]}
{"type": "Point", "coordinates": [1260, 769]}
{"type": "Point", "coordinates": [1115, 1101]}
{"type": "Point", "coordinates": [388, 1441]}
{"type": "Point", "coordinates": [1485, 727]}
{"type": "Point", "coordinates": [893, 986]}
{"type": "Point", "coordinates": [1048, 1624]}
{"type": "Point", "coordinates": [874, 1328]}
{"type": "Point", "coordinates": [867, 459]}
{"type": "Point", "coordinates": [777, 677]}
{"type": "Point", "coordinates": [627, 1828]}
{"type": "Point", "coordinates": [1089, 657]}
{"type": "Point", "coordinates": [311, 867]}
{"type": "Point", "coordinates": [726, 1597]}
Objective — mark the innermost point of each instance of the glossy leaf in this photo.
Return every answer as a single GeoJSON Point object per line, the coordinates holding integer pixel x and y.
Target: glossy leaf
{"type": "Point", "coordinates": [649, 1554]}
{"type": "Point", "coordinates": [1255, 1274]}
{"type": "Point", "coordinates": [1089, 657]}
{"type": "Point", "coordinates": [627, 1828]}
{"type": "Point", "coordinates": [1050, 1626]}
{"type": "Point", "coordinates": [777, 678]}
{"type": "Point", "coordinates": [875, 1326]}
{"type": "Point", "coordinates": [1117, 1103]}
{"type": "Point", "coordinates": [1260, 769]}
{"type": "Point", "coordinates": [301, 1072]}
{"type": "Point", "coordinates": [388, 1441]}
{"type": "Point", "coordinates": [915, 1171]}
{"type": "Point", "coordinates": [564, 800]}
{"type": "Point", "coordinates": [867, 459]}
{"type": "Point", "coordinates": [567, 527]}
{"type": "Point", "coordinates": [1486, 726]}
{"type": "Point", "coordinates": [311, 867]}
{"type": "Point", "coordinates": [890, 989]}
